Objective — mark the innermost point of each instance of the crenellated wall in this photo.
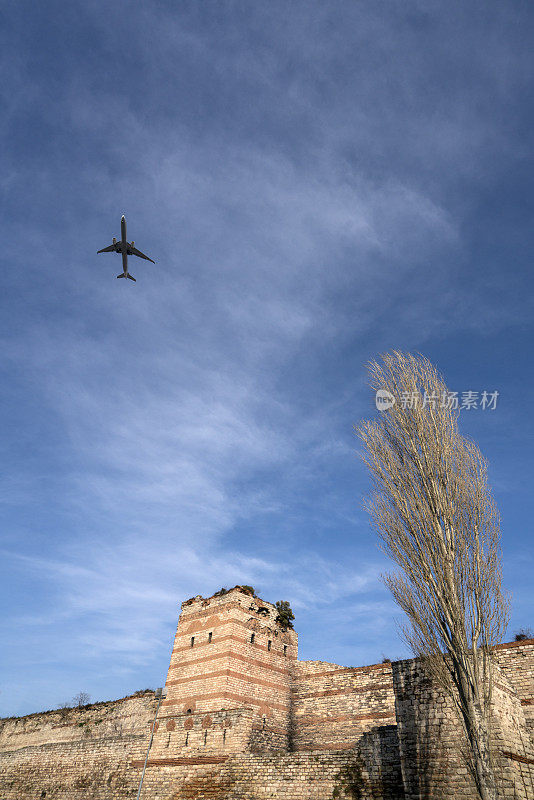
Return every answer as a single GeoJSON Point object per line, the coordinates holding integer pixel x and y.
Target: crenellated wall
{"type": "Point", "coordinates": [228, 731]}
{"type": "Point", "coordinates": [243, 719]}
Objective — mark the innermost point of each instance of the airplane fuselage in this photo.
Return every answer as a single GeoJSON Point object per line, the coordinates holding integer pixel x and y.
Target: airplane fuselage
{"type": "Point", "coordinates": [124, 245]}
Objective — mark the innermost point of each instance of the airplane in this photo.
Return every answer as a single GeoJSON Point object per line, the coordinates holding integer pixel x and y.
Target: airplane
{"type": "Point", "coordinates": [126, 248]}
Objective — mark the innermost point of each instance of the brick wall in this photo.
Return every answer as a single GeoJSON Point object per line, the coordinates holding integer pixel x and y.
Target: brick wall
{"type": "Point", "coordinates": [244, 720]}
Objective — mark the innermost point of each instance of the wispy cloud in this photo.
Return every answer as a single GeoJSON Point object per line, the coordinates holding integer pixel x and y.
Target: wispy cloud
{"type": "Point", "coordinates": [313, 188]}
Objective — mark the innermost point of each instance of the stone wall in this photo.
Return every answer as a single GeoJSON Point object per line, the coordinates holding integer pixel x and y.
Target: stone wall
{"type": "Point", "coordinates": [516, 660]}
{"type": "Point", "coordinates": [75, 753]}
{"type": "Point", "coordinates": [514, 747]}
{"type": "Point", "coordinates": [199, 733]}
{"type": "Point", "coordinates": [431, 739]}
{"type": "Point", "coordinates": [284, 776]}
{"type": "Point", "coordinates": [334, 706]}
{"type": "Point", "coordinates": [245, 720]}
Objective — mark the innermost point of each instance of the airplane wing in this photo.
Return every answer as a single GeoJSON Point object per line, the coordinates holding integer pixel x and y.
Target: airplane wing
{"type": "Point", "coordinates": [133, 251]}
{"type": "Point", "coordinates": [110, 249]}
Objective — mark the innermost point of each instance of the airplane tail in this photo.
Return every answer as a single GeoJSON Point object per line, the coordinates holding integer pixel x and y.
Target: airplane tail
{"type": "Point", "coordinates": [122, 275]}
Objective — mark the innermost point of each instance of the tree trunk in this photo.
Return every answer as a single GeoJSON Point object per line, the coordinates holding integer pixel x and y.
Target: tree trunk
{"type": "Point", "coordinates": [479, 739]}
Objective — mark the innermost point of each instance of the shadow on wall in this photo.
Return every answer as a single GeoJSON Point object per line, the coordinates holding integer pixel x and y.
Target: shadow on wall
{"type": "Point", "coordinates": [375, 770]}
{"type": "Point", "coordinates": [430, 759]}
{"type": "Point", "coordinates": [429, 753]}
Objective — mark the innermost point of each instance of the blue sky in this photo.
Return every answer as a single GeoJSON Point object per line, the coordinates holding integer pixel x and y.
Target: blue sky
{"type": "Point", "coordinates": [318, 183]}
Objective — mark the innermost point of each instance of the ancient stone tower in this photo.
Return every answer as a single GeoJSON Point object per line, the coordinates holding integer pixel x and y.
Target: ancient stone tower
{"type": "Point", "coordinates": [228, 684]}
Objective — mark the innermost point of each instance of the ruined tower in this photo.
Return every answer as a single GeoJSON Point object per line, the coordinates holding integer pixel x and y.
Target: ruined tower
{"type": "Point", "coordinates": [228, 684]}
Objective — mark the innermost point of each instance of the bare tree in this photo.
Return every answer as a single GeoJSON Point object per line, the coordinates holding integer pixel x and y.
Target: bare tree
{"type": "Point", "coordinates": [81, 699]}
{"type": "Point", "coordinates": [435, 516]}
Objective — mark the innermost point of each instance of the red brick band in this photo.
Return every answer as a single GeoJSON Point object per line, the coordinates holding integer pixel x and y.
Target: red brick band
{"type": "Point", "coordinates": [237, 657]}
{"type": "Point", "coordinates": [527, 701]}
{"type": "Point", "coordinates": [178, 762]}
{"type": "Point", "coordinates": [255, 645]}
{"type": "Point", "coordinates": [505, 645]}
{"type": "Point", "coordinates": [221, 623]}
{"type": "Point", "coordinates": [515, 757]}
{"type": "Point", "coordinates": [225, 673]}
{"type": "Point", "coordinates": [230, 638]}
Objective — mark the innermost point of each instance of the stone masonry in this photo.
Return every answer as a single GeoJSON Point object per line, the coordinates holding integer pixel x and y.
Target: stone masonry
{"type": "Point", "coordinates": [243, 719]}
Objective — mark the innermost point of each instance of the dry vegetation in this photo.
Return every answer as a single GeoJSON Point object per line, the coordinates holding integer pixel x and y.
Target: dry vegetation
{"type": "Point", "coordinates": [436, 519]}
